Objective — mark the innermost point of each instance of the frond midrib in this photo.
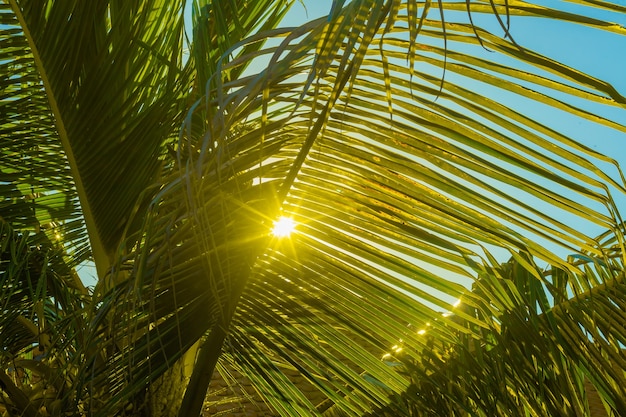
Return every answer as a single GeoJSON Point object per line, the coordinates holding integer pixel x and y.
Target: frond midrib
{"type": "Point", "coordinates": [100, 256]}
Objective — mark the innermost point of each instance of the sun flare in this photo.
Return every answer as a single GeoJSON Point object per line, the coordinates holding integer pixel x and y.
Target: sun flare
{"type": "Point", "coordinates": [283, 227]}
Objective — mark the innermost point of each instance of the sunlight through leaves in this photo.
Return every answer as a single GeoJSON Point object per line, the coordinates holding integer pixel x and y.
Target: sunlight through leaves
{"type": "Point", "coordinates": [283, 227]}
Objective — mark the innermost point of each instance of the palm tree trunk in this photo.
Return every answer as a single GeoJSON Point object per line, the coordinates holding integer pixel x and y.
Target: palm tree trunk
{"type": "Point", "coordinates": [208, 356]}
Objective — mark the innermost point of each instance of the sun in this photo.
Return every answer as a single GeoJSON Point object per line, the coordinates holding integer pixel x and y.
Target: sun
{"type": "Point", "coordinates": [283, 227]}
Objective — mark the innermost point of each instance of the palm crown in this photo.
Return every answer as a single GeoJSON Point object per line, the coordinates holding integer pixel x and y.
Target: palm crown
{"type": "Point", "coordinates": [166, 156]}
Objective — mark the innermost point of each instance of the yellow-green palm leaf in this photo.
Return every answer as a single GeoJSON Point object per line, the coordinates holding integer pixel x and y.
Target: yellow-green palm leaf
{"type": "Point", "coordinates": [392, 134]}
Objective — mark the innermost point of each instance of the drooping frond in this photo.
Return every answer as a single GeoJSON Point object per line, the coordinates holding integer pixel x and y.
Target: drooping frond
{"type": "Point", "coordinates": [543, 351]}
{"type": "Point", "coordinates": [41, 322]}
{"type": "Point", "coordinates": [101, 83]}
{"type": "Point", "coordinates": [38, 191]}
{"type": "Point", "coordinates": [399, 203]}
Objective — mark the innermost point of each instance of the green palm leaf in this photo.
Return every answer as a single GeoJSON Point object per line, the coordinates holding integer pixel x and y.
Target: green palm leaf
{"type": "Point", "coordinates": [110, 88]}
{"type": "Point", "coordinates": [37, 185]}
{"type": "Point", "coordinates": [417, 176]}
{"type": "Point", "coordinates": [371, 130]}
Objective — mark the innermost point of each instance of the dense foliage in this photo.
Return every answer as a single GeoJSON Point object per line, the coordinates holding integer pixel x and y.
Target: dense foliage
{"type": "Point", "coordinates": [160, 140]}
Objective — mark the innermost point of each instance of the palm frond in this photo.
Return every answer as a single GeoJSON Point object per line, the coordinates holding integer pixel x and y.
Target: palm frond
{"type": "Point", "coordinates": [37, 186]}
{"type": "Point", "coordinates": [41, 322]}
{"type": "Point", "coordinates": [408, 184]}
{"type": "Point", "coordinates": [399, 205]}
{"type": "Point", "coordinates": [539, 355]}
{"type": "Point", "coordinates": [108, 88]}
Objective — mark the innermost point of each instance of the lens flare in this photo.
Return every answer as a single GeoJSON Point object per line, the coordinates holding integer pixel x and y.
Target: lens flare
{"type": "Point", "coordinates": [283, 227]}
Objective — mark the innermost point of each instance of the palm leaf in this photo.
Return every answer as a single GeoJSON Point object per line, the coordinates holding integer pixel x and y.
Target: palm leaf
{"type": "Point", "coordinates": [406, 189]}
{"type": "Point", "coordinates": [401, 205]}
{"type": "Point", "coordinates": [505, 369]}
{"type": "Point", "coordinates": [41, 322]}
{"type": "Point", "coordinates": [101, 109]}
{"type": "Point", "coordinates": [37, 186]}
{"type": "Point", "coordinates": [388, 219]}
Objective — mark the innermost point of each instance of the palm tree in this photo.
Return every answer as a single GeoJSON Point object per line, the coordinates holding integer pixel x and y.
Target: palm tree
{"type": "Point", "coordinates": [165, 157]}
{"type": "Point", "coordinates": [476, 373]}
